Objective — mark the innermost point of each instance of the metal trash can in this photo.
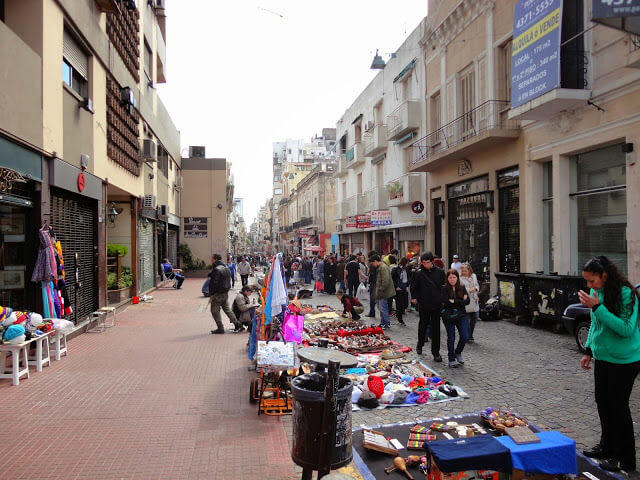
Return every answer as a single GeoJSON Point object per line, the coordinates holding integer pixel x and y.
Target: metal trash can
{"type": "Point", "coordinates": [550, 294]}
{"type": "Point", "coordinates": [308, 405]}
{"type": "Point", "coordinates": [513, 295]}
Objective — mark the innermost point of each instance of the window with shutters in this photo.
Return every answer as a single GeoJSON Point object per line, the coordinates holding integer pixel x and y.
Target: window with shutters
{"type": "Point", "coordinates": [436, 116]}
{"type": "Point", "coordinates": [506, 69]}
{"type": "Point", "coordinates": [467, 101]}
{"type": "Point", "coordinates": [75, 66]}
{"type": "Point", "coordinates": [547, 216]}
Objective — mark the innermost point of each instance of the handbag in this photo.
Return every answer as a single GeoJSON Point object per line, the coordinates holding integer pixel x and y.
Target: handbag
{"type": "Point", "coordinates": [450, 314]}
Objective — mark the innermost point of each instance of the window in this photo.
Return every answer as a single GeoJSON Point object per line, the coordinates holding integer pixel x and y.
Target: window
{"type": "Point", "coordinates": [600, 213]}
{"type": "Point", "coordinates": [276, 178]}
{"type": "Point", "coordinates": [277, 191]}
{"type": "Point", "coordinates": [547, 216]}
{"type": "Point", "coordinates": [75, 66]}
{"type": "Point", "coordinates": [506, 70]}
{"type": "Point", "coordinates": [148, 62]}
{"type": "Point", "coordinates": [467, 91]}
{"type": "Point", "coordinates": [359, 179]}
{"type": "Point", "coordinates": [436, 116]}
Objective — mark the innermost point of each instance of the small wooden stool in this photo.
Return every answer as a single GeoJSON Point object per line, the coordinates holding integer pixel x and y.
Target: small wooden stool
{"type": "Point", "coordinates": [59, 341]}
{"type": "Point", "coordinates": [99, 317]}
{"type": "Point", "coordinates": [41, 357]}
{"type": "Point", "coordinates": [109, 310]}
{"type": "Point", "coordinates": [18, 354]}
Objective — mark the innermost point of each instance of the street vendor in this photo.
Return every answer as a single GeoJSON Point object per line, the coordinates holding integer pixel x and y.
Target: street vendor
{"type": "Point", "coordinates": [244, 306]}
{"type": "Point", "coordinates": [352, 306]}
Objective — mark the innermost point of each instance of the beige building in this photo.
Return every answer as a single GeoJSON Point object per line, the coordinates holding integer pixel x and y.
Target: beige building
{"type": "Point", "coordinates": [540, 187]}
{"type": "Point", "coordinates": [92, 150]}
{"type": "Point", "coordinates": [205, 203]}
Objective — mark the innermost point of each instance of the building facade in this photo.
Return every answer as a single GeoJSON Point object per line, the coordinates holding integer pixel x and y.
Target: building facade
{"type": "Point", "coordinates": [93, 153]}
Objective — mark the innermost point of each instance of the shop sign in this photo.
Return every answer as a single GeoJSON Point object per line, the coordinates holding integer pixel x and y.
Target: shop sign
{"type": "Point", "coordinates": [535, 49]}
{"type": "Point", "coordinates": [363, 221]}
{"type": "Point", "coordinates": [195, 227]}
{"type": "Point", "coordinates": [80, 182]}
{"type": "Point", "coordinates": [351, 222]}
{"type": "Point", "coordinates": [620, 14]}
{"type": "Point", "coordinates": [8, 177]}
{"type": "Point", "coordinates": [381, 217]}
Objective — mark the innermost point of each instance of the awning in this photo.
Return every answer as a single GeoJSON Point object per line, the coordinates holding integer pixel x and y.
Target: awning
{"type": "Point", "coordinates": [378, 159]}
{"type": "Point", "coordinates": [408, 136]}
{"type": "Point", "coordinates": [405, 70]}
{"type": "Point", "coordinates": [359, 117]}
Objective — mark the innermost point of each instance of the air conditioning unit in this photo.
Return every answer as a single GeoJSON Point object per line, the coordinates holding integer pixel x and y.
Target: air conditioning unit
{"type": "Point", "coordinates": [179, 185]}
{"type": "Point", "coordinates": [197, 152]}
{"type": "Point", "coordinates": [127, 97]}
{"type": "Point", "coordinates": [149, 201]}
{"type": "Point", "coordinates": [149, 150]}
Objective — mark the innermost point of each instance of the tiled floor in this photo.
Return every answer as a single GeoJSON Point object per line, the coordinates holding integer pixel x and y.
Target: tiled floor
{"type": "Point", "coordinates": [156, 397]}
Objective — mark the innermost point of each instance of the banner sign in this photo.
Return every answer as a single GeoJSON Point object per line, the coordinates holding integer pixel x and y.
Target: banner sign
{"type": "Point", "coordinates": [380, 217]}
{"type": "Point", "coordinates": [620, 14]}
{"type": "Point", "coordinates": [535, 49]}
{"type": "Point", "coordinates": [350, 222]}
{"type": "Point", "coordinates": [363, 221]}
{"type": "Point", "coordinates": [195, 227]}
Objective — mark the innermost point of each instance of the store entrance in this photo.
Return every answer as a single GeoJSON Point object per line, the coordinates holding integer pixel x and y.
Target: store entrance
{"type": "Point", "coordinates": [509, 201]}
{"type": "Point", "coordinates": [74, 223]}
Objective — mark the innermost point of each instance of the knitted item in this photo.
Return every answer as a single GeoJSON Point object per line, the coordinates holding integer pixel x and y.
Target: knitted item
{"type": "Point", "coordinates": [375, 385]}
{"type": "Point", "coordinates": [368, 400]}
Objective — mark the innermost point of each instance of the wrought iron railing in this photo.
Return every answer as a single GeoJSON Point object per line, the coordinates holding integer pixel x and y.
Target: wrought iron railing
{"type": "Point", "coordinates": [304, 222]}
{"type": "Point", "coordinates": [484, 117]}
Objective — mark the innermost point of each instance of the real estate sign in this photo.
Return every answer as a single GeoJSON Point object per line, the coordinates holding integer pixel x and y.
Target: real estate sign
{"type": "Point", "coordinates": [621, 14]}
{"type": "Point", "coordinates": [381, 217]}
{"type": "Point", "coordinates": [535, 49]}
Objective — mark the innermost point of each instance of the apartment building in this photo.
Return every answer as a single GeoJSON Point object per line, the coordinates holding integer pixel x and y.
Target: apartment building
{"type": "Point", "coordinates": [88, 145]}
{"type": "Point", "coordinates": [381, 204]}
{"type": "Point", "coordinates": [529, 184]}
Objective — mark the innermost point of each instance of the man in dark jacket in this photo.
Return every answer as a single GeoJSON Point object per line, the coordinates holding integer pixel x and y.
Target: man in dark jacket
{"type": "Point", "coordinates": [219, 287]}
{"type": "Point", "coordinates": [426, 289]}
{"type": "Point", "coordinates": [371, 276]}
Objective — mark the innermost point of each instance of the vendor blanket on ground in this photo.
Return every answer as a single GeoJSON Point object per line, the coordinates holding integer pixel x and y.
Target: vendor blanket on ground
{"type": "Point", "coordinates": [381, 383]}
{"type": "Point", "coordinates": [556, 449]}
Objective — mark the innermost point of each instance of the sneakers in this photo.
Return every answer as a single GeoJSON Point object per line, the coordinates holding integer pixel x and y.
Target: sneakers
{"type": "Point", "coordinates": [597, 452]}
{"type": "Point", "coordinates": [471, 340]}
{"type": "Point", "coordinates": [453, 364]}
{"type": "Point", "coordinates": [459, 358]}
{"type": "Point", "coordinates": [238, 328]}
{"type": "Point", "coordinates": [218, 331]}
{"type": "Point", "coordinates": [613, 465]}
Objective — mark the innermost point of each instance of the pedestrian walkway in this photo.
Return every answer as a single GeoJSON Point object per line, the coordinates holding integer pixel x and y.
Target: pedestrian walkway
{"type": "Point", "coordinates": [156, 397]}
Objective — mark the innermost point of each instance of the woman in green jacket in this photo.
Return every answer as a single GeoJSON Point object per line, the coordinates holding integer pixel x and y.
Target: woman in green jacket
{"type": "Point", "coordinates": [614, 343]}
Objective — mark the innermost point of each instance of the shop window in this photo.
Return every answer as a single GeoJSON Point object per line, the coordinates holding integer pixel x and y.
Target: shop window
{"type": "Point", "coordinates": [547, 216]}
{"type": "Point", "coordinates": [600, 213]}
{"type": "Point", "coordinates": [75, 66]}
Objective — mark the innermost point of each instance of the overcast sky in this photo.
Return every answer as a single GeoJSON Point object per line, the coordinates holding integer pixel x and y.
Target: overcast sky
{"type": "Point", "coordinates": [242, 74]}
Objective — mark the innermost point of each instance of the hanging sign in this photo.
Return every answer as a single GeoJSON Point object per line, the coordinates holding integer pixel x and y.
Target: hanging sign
{"type": "Point", "coordinates": [195, 227]}
{"type": "Point", "coordinates": [351, 222]}
{"type": "Point", "coordinates": [363, 221]}
{"type": "Point", "coordinates": [620, 14]}
{"type": "Point", "coordinates": [535, 49]}
{"type": "Point", "coordinates": [381, 217]}
{"type": "Point", "coordinates": [81, 182]}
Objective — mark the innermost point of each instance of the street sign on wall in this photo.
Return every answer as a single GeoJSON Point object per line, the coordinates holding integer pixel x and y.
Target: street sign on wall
{"type": "Point", "coordinates": [535, 49]}
{"type": "Point", "coordinates": [620, 14]}
{"type": "Point", "coordinates": [195, 227]}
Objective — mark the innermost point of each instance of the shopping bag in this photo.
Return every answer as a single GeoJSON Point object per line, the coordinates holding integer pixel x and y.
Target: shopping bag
{"type": "Point", "coordinates": [293, 327]}
{"type": "Point", "coordinates": [361, 289]}
{"type": "Point", "coordinates": [319, 286]}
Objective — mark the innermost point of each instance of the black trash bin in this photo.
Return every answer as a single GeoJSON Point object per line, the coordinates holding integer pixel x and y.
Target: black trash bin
{"type": "Point", "coordinates": [308, 405]}
{"type": "Point", "coordinates": [550, 294]}
{"type": "Point", "coordinates": [513, 295]}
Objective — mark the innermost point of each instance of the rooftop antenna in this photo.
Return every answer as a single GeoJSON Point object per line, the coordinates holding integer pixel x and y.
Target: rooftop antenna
{"type": "Point", "coordinates": [271, 12]}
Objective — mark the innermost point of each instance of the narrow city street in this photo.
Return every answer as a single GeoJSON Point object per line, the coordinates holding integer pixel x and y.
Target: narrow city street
{"type": "Point", "coordinates": [159, 397]}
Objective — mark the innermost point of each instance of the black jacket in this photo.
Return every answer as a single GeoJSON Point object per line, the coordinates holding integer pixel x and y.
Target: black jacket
{"type": "Point", "coordinates": [426, 288]}
{"type": "Point", "coordinates": [220, 278]}
{"type": "Point", "coordinates": [458, 303]}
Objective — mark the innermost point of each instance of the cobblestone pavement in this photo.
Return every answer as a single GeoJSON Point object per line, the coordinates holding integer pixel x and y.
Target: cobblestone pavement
{"type": "Point", "coordinates": [533, 371]}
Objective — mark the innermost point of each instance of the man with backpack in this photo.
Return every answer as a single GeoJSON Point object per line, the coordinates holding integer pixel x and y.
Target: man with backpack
{"type": "Point", "coordinates": [219, 287]}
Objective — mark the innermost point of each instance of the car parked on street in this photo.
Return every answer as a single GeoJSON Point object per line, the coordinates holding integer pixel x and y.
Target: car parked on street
{"type": "Point", "coordinates": [577, 321]}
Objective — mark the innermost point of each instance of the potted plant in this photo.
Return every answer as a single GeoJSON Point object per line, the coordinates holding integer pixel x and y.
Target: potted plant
{"type": "Point", "coordinates": [395, 190]}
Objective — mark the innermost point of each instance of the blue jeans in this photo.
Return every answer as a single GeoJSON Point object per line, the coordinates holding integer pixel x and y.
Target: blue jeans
{"type": "Point", "coordinates": [383, 306]}
{"type": "Point", "coordinates": [307, 276]}
{"type": "Point", "coordinates": [462, 324]}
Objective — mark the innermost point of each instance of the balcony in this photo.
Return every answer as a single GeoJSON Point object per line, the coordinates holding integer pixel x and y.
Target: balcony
{"type": "Point", "coordinates": [374, 141]}
{"type": "Point", "coordinates": [406, 189]}
{"type": "Point", "coordinates": [304, 222]}
{"type": "Point", "coordinates": [341, 169]}
{"type": "Point", "coordinates": [379, 198]}
{"type": "Point", "coordinates": [404, 119]}
{"type": "Point", "coordinates": [348, 207]}
{"type": "Point", "coordinates": [484, 126]}
{"type": "Point", "coordinates": [354, 156]}
{"type": "Point", "coordinates": [363, 203]}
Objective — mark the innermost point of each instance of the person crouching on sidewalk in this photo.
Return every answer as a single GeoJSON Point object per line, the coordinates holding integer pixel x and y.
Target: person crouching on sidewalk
{"type": "Point", "coordinates": [352, 306]}
{"type": "Point", "coordinates": [243, 307]}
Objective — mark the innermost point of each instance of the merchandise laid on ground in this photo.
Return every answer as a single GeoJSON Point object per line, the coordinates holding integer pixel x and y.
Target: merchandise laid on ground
{"type": "Point", "coordinates": [485, 445]}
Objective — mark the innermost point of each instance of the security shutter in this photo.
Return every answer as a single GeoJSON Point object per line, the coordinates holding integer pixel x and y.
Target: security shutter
{"type": "Point", "coordinates": [73, 219]}
{"type": "Point", "coordinates": [469, 232]}
{"type": "Point", "coordinates": [410, 234]}
{"type": "Point", "coordinates": [509, 220]}
{"type": "Point", "coordinates": [173, 247]}
{"type": "Point", "coordinates": [74, 54]}
{"type": "Point", "coordinates": [147, 275]}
